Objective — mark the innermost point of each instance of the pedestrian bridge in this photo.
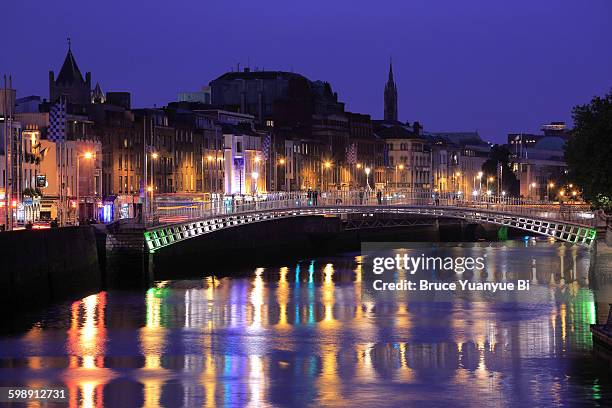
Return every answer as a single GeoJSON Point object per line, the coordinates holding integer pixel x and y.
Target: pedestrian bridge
{"type": "Point", "coordinates": [175, 221]}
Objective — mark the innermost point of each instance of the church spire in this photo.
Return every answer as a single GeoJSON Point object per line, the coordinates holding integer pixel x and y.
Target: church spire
{"type": "Point", "coordinates": [390, 96]}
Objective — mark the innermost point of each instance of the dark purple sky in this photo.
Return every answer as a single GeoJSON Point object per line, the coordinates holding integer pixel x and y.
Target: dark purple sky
{"type": "Point", "coordinates": [460, 65]}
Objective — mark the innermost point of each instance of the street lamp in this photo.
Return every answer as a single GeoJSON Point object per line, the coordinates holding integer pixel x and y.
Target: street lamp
{"type": "Point", "coordinates": [151, 189]}
{"type": "Point", "coordinates": [531, 188]}
{"type": "Point", "coordinates": [86, 156]}
{"type": "Point", "coordinates": [548, 187]}
{"type": "Point", "coordinates": [367, 172]}
{"type": "Point", "coordinates": [400, 167]}
{"type": "Point", "coordinates": [255, 176]}
{"type": "Point", "coordinates": [327, 165]}
{"type": "Point", "coordinates": [281, 162]}
{"type": "Point", "coordinates": [458, 180]}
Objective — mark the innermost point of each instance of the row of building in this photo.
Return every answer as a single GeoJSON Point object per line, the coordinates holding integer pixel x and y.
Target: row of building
{"type": "Point", "coordinates": [86, 154]}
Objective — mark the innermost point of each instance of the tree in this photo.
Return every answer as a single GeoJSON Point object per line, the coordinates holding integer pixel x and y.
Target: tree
{"type": "Point", "coordinates": [588, 153]}
{"type": "Point", "coordinates": [500, 155]}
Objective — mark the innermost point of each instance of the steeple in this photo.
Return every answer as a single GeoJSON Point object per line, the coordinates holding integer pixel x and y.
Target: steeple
{"type": "Point", "coordinates": [390, 96]}
{"type": "Point", "coordinates": [70, 81]}
{"type": "Point", "coordinates": [97, 96]}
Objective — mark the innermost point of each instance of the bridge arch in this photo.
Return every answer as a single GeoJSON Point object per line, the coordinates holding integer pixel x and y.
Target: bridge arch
{"type": "Point", "coordinates": [159, 237]}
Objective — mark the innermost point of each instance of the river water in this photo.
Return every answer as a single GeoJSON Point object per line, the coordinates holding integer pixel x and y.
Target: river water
{"type": "Point", "coordinates": [302, 334]}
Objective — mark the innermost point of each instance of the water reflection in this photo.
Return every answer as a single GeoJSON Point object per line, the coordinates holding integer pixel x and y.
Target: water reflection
{"type": "Point", "coordinates": [303, 334]}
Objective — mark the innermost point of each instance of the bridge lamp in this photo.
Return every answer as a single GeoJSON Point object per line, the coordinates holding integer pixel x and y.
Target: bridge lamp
{"type": "Point", "coordinates": [358, 165]}
{"type": "Point", "coordinates": [504, 193]}
{"type": "Point", "coordinates": [155, 155]}
{"type": "Point", "coordinates": [367, 171]}
{"type": "Point", "coordinates": [489, 192]}
{"type": "Point", "coordinates": [479, 174]}
{"type": "Point", "coordinates": [571, 186]}
{"type": "Point", "coordinates": [281, 161]}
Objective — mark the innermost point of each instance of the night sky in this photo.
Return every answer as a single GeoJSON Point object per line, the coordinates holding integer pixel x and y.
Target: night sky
{"type": "Point", "coordinates": [491, 66]}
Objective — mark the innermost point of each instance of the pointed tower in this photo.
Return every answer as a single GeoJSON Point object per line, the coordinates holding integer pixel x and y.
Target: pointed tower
{"type": "Point", "coordinates": [390, 96]}
{"type": "Point", "coordinates": [97, 96]}
{"type": "Point", "coordinates": [70, 82]}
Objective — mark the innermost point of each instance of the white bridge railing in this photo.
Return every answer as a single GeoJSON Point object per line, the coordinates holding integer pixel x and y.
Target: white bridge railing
{"type": "Point", "coordinates": [172, 210]}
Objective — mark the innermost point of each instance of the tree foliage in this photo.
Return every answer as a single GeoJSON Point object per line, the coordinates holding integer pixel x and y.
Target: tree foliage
{"type": "Point", "coordinates": [588, 153]}
{"type": "Point", "coordinates": [501, 155]}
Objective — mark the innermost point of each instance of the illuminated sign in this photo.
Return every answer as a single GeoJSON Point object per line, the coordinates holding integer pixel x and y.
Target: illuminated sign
{"type": "Point", "coordinates": [41, 181]}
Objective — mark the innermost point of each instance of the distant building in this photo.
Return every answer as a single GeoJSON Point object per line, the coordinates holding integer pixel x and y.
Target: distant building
{"type": "Point", "coordinates": [28, 104]}
{"type": "Point", "coordinates": [457, 159]}
{"type": "Point", "coordinates": [409, 157]}
{"type": "Point", "coordinates": [539, 168]}
{"type": "Point", "coordinates": [538, 160]}
{"type": "Point", "coordinates": [202, 96]}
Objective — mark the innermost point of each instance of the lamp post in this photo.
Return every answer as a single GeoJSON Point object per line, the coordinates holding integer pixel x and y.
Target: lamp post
{"type": "Point", "coordinates": [281, 162]}
{"type": "Point", "coordinates": [210, 159]}
{"type": "Point", "coordinates": [532, 186]}
{"type": "Point", "coordinates": [86, 156]}
{"type": "Point", "coordinates": [255, 176]}
{"type": "Point", "coordinates": [400, 167]}
{"type": "Point", "coordinates": [154, 157]}
{"type": "Point", "coordinates": [458, 181]}
{"type": "Point", "coordinates": [367, 172]}
{"type": "Point", "coordinates": [479, 176]}
{"type": "Point", "coordinates": [548, 187]}
{"type": "Point", "coordinates": [327, 165]}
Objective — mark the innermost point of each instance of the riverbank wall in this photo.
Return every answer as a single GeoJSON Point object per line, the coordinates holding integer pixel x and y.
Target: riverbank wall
{"type": "Point", "coordinates": [38, 267]}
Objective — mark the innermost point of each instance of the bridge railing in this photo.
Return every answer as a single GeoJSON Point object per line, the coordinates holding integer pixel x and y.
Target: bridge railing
{"type": "Point", "coordinates": [168, 211]}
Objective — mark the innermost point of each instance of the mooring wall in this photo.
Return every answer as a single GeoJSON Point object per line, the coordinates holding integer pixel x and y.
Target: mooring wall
{"type": "Point", "coordinates": [41, 266]}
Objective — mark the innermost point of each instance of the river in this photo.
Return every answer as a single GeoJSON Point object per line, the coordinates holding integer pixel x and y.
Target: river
{"type": "Point", "coordinates": [302, 334]}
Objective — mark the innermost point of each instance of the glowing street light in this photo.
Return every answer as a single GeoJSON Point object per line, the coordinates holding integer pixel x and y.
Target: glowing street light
{"type": "Point", "coordinates": [327, 164]}
{"type": "Point", "coordinates": [155, 155]}
{"type": "Point", "coordinates": [367, 172]}
{"type": "Point", "coordinates": [86, 156]}
{"type": "Point", "coordinates": [281, 161]}
{"type": "Point", "coordinates": [255, 176]}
